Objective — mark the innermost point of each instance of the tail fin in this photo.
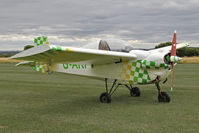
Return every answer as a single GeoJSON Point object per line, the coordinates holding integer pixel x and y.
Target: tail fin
{"type": "Point", "coordinates": [40, 40]}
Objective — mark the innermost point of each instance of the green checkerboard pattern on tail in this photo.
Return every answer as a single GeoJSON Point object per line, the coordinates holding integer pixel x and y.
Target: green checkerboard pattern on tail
{"type": "Point", "coordinates": [41, 40]}
{"type": "Point", "coordinates": [41, 68]}
{"type": "Point", "coordinates": [57, 48]}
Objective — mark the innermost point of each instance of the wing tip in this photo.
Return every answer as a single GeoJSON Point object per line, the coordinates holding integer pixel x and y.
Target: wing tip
{"type": "Point", "coordinates": [186, 44]}
{"type": "Point", "coordinates": [13, 57]}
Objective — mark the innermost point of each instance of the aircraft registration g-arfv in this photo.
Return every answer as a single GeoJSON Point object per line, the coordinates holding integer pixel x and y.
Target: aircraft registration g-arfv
{"type": "Point", "coordinates": [118, 64]}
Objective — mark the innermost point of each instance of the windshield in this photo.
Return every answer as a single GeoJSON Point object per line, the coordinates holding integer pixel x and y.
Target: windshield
{"type": "Point", "coordinates": [118, 45]}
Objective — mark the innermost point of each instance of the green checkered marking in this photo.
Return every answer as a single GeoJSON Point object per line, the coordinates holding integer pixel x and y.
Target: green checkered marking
{"type": "Point", "coordinates": [44, 38]}
{"type": "Point", "coordinates": [35, 40]}
{"type": "Point", "coordinates": [40, 68]}
{"type": "Point", "coordinates": [57, 48]}
{"type": "Point", "coordinates": [144, 62]}
{"type": "Point", "coordinates": [137, 69]}
{"type": "Point", "coordinates": [148, 67]}
{"type": "Point", "coordinates": [132, 72]}
{"type": "Point", "coordinates": [144, 81]}
{"type": "Point", "coordinates": [145, 72]}
{"type": "Point", "coordinates": [153, 64]}
{"type": "Point", "coordinates": [54, 48]}
{"type": "Point", "coordinates": [139, 75]}
{"type": "Point", "coordinates": [134, 63]}
{"type": "Point", "coordinates": [35, 68]}
{"type": "Point", "coordinates": [135, 79]}
{"type": "Point", "coordinates": [166, 67]}
{"type": "Point", "coordinates": [162, 65]}
{"type": "Point", "coordinates": [40, 40]}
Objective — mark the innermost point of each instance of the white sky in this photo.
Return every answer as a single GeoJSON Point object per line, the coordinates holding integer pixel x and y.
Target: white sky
{"type": "Point", "coordinates": [76, 23]}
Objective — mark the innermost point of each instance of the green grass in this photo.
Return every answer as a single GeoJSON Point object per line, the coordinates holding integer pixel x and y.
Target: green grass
{"type": "Point", "coordinates": [31, 102]}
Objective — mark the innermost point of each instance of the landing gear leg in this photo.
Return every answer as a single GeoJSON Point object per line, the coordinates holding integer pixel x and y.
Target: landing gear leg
{"type": "Point", "coordinates": [105, 97]}
{"type": "Point", "coordinates": [162, 96]}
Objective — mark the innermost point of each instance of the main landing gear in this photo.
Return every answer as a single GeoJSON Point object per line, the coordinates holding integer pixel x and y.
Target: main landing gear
{"type": "Point", "coordinates": [162, 96]}
{"type": "Point", "coordinates": [105, 97]}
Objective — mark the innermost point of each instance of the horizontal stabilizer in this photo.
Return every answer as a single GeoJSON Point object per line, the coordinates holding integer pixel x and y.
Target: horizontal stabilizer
{"type": "Point", "coordinates": [26, 63]}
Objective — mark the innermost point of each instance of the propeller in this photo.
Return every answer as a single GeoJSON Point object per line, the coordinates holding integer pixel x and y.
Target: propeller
{"type": "Point", "coordinates": [173, 57]}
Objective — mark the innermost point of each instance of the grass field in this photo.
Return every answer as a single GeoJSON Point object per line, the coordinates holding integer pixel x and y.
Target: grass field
{"type": "Point", "coordinates": [31, 102]}
{"type": "Point", "coordinates": [194, 59]}
{"type": "Point", "coordinates": [7, 60]}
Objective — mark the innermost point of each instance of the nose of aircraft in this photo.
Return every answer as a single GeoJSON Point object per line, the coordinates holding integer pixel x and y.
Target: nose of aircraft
{"type": "Point", "coordinates": [175, 59]}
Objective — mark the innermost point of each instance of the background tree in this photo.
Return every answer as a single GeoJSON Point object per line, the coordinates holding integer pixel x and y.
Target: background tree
{"type": "Point", "coordinates": [163, 44]}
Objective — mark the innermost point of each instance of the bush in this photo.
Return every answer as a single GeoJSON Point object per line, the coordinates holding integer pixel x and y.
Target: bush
{"type": "Point", "coordinates": [163, 44]}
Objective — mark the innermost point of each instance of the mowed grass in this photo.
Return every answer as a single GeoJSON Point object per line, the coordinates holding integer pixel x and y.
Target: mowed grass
{"type": "Point", "coordinates": [7, 60]}
{"type": "Point", "coordinates": [31, 102]}
{"type": "Point", "coordinates": [193, 60]}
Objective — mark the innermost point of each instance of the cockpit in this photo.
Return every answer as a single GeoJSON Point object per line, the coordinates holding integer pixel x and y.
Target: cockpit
{"type": "Point", "coordinates": [115, 45]}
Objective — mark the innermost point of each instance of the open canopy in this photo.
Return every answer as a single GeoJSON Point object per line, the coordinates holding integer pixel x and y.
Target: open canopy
{"type": "Point", "coordinates": [115, 45]}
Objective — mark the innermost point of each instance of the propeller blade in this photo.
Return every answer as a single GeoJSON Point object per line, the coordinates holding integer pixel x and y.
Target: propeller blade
{"type": "Point", "coordinates": [173, 48]}
{"type": "Point", "coordinates": [173, 54]}
{"type": "Point", "coordinates": [172, 76]}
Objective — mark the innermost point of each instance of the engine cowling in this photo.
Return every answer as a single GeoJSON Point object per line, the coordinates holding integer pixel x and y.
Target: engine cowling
{"type": "Point", "coordinates": [175, 59]}
{"type": "Point", "coordinates": [155, 61]}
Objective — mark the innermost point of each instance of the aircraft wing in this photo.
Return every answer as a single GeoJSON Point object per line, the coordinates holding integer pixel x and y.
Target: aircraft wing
{"type": "Point", "coordinates": [59, 54]}
{"type": "Point", "coordinates": [168, 48]}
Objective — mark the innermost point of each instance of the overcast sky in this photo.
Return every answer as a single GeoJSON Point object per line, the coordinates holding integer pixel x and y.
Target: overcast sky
{"type": "Point", "coordinates": [144, 23]}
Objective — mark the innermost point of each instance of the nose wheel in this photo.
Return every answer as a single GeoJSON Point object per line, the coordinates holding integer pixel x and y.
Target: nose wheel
{"type": "Point", "coordinates": [162, 96]}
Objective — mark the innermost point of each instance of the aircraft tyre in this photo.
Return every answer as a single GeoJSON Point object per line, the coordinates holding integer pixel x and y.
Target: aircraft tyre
{"type": "Point", "coordinates": [105, 98]}
{"type": "Point", "coordinates": [135, 91]}
{"type": "Point", "coordinates": [164, 97]}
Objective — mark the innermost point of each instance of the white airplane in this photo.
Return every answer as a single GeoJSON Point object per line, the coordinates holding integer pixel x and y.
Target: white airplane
{"type": "Point", "coordinates": [118, 64]}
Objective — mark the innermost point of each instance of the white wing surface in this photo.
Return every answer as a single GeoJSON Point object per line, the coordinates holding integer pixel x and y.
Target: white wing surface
{"type": "Point", "coordinates": [59, 54]}
{"type": "Point", "coordinates": [168, 48]}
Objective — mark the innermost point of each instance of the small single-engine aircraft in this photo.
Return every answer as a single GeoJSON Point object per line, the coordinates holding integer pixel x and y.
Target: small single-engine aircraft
{"type": "Point", "coordinates": [118, 64]}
